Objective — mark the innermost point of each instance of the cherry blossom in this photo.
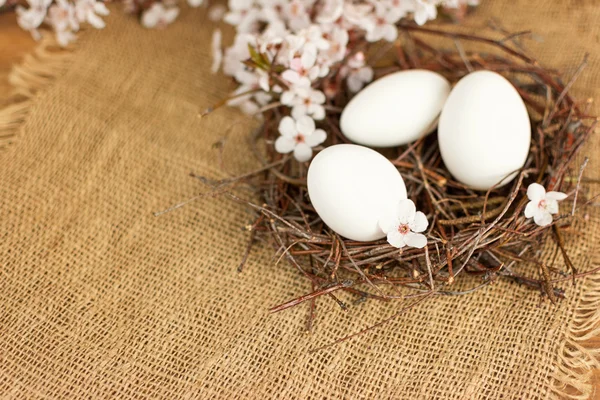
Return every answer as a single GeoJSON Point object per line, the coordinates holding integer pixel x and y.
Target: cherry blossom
{"type": "Point", "coordinates": [31, 18]}
{"type": "Point", "coordinates": [404, 224]}
{"type": "Point", "coordinates": [331, 11]}
{"type": "Point", "coordinates": [424, 11]}
{"type": "Point", "coordinates": [217, 52]}
{"type": "Point", "coordinates": [158, 16]}
{"type": "Point", "coordinates": [381, 24]}
{"type": "Point", "coordinates": [296, 13]}
{"type": "Point", "coordinates": [302, 67]}
{"type": "Point", "coordinates": [243, 15]}
{"type": "Point", "coordinates": [308, 101]}
{"type": "Point", "coordinates": [299, 136]}
{"type": "Point", "coordinates": [358, 73]}
{"type": "Point", "coordinates": [542, 204]}
{"type": "Point", "coordinates": [89, 11]}
{"type": "Point", "coordinates": [216, 12]}
{"type": "Point", "coordinates": [61, 16]}
{"type": "Point", "coordinates": [298, 50]}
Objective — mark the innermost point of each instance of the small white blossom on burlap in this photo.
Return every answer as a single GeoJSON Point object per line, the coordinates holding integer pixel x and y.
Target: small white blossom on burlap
{"type": "Point", "coordinates": [299, 136]}
{"type": "Point", "coordinates": [542, 204]}
{"type": "Point", "coordinates": [404, 225]}
{"type": "Point", "coordinates": [217, 51]}
{"type": "Point", "coordinates": [159, 16]}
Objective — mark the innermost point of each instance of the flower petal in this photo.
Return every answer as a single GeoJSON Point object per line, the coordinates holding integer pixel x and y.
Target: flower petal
{"type": "Point", "coordinates": [95, 20]}
{"type": "Point", "coordinates": [287, 127]}
{"type": "Point", "coordinates": [308, 59]}
{"type": "Point", "coordinates": [317, 97]}
{"type": "Point", "coordinates": [305, 125]}
{"type": "Point", "coordinates": [287, 97]}
{"type": "Point", "coordinates": [406, 211]}
{"type": "Point", "coordinates": [100, 8]}
{"type": "Point", "coordinates": [551, 206]}
{"type": "Point", "coordinates": [318, 112]}
{"type": "Point", "coordinates": [556, 196]}
{"type": "Point", "coordinates": [417, 240]}
{"type": "Point", "coordinates": [302, 152]}
{"type": "Point", "coordinates": [536, 192]}
{"type": "Point", "coordinates": [542, 218]}
{"type": "Point", "coordinates": [390, 33]}
{"type": "Point", "coordinates": [420, 223]}
{"type": "Point", "coordinates": [291, 76]}
{"type": "Point", "coordinates": [396, 239]}
{"type": "Point", "coordinates": [531, 209]}
{"type": "Point", "coordinates": [316, 138]}
{"type": "Point", "coordinates": [388, 223]}
{"type": "Point", "coordinates": [284, 144]}
{"type": "Point", "coordinates": [299, 111]}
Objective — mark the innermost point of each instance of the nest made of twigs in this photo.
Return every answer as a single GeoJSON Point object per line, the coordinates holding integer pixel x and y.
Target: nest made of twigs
{"type": "Point", "coordinates": [470, 232]}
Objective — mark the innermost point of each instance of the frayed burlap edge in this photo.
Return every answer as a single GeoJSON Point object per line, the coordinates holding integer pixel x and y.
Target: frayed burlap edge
{"type": "Point", "coordinates": [36, 72]}
{"type": "Point", "coordinates": [572, 377]}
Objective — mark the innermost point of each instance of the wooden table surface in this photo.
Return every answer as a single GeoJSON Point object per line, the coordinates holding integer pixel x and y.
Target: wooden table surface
{"type": "Point", "coordinates": [15, 43]}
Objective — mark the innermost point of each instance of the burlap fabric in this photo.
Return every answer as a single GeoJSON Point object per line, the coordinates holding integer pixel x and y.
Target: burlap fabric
{"type": "Point", "coordinates": [100, 299]}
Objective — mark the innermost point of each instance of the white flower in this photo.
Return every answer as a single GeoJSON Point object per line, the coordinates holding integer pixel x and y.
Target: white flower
{"type": "Point", "coordinates": [331, 11]}
{"type": "Point", "coordinates": [542, 205]}
{"type": "Point", "coordinates": [302, 67]}
{"type": "Point", "coordinates": [238, 52]}
{"type": "Point", "coordinates": [2, 2]}
{"type": "Point", "coordinates": [296, 13]}
{"type": "Point", "coordinates": [380, 25]}
{"type": "Point", "coordinates": [195, 3]}
{"type": "Point", "coordinates": [217, 52]}
{"type": "Point", "coordinates": [30, 19]}
{"type": "Point", "coordinates": [243, 15]}
{"type": "Point", "coordinates": [338, 40]}
{"type": "Point", "coordinates": [86, 11]}
{"type": "Point", "coordinates": [404, 225]}
{"type": "Point", "coordinates": [216, 12]}
{"type": "Point", "coordinates": [424, 11]}
{"type": "Point", "coordinates": [308, 101]}
{"type": "Point", "coordinates": [299, 136]}
{"type": "Point", "coordinates": [158, 16]}
{"type": "Point", "coordinates": [61, 16]}
{"type": "Point", "coordinates": [358, 72]}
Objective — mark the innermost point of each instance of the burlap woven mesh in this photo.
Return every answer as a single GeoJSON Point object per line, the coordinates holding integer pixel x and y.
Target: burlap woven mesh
{"type": "Point", "coordinates": [99, 299]}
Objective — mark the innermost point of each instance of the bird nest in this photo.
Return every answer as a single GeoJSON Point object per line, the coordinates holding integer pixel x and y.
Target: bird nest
{"type": "Point", "coordinates": [480, 233]}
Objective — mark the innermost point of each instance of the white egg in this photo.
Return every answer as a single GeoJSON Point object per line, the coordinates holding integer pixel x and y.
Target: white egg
{"type": "Point", "coordinates": [396, 109]}
{"type": "Point", "coordinates": [484, 131]}
{"type": "Point", "coordinates": [351, 187]}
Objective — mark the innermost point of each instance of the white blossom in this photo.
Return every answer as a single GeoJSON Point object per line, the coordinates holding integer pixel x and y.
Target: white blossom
{"type": "Point", "coordinates": [296, 14]}
{"type": "Point", "coordinates": [404, 224]}
{"type": "Point", "coordinates": [358, 73]}
{"type": "Point", "coordinates": [61, 16]}
{"type": "Point", "coordinates": [89, 11]}
{"type": "Point", "coordinates": [31, 18]}
{"type": "Point", "coordinates": [243, 15]}
{"type": "Point", "coordinates": [331, 11]}
{"type": "Point", "coordinates": [158, 16]}
{"type": "Point", "coordinates": [381, 24]}
{"type": "Point", "coordinates": [425, 10]}
{"type": "Point", "coordinates": [307, 101]}
{"type": "Point", "coordinates": [195, 3]}
{"type": "Point", "coordinates": [216, 12]}
{"type": "Point", "coordinates": [300, 48]}
{"type": "Point", "coordinates": [542, 205]}
{"type": "Point", "coordinates": [299, 136]}
{"type": "Point", "coordinates": [217, 52]}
